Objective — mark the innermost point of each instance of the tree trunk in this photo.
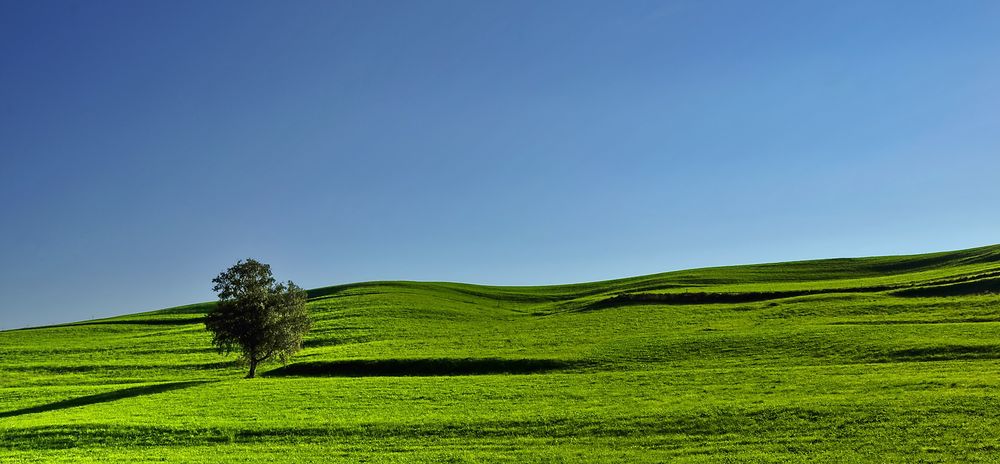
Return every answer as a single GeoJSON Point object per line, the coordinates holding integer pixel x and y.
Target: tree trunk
{"type": "Point", "coordinates": [253, 369]}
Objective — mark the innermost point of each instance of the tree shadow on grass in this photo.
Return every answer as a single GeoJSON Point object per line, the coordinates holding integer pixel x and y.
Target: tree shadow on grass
{"type": "Point", "coordinates": [419, 367]}
{"type": "Point", "coordinates": [103, 397]}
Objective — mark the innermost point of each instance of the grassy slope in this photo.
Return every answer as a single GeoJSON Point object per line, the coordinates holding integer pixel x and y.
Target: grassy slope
{"type": "Point", "coordinates": [900, 368]}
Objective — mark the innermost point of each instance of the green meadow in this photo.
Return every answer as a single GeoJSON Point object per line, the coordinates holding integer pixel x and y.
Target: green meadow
{"type": "Point", "coordinates": [890, 359]}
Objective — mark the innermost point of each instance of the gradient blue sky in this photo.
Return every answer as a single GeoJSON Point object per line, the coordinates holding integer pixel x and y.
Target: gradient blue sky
{"type": "Point", "coordinates": [146, 146]}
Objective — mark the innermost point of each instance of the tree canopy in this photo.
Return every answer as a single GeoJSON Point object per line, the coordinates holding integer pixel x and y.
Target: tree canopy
{"type": "Point", "coordinates": [256, 316]}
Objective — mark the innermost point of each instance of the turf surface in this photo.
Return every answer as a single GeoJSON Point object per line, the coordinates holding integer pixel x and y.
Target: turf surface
{"type": "Point", "coordinates": [876, 359]}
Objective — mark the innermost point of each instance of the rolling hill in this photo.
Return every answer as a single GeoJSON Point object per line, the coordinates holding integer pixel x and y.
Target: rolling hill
{"type": "Point", "coordinates": [869, 359]}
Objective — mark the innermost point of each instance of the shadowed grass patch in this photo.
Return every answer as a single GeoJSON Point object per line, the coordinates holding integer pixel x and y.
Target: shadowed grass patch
{"type": "Point", "coordinates": [976, 287]}
{"type": "Point", "coordinates": [102, 398]}
{"type": "Point", "coordinates": [942, 353]}
{"type": "Point", "coordinates": [704, 298]}
{"type": "Point", "coordinates": [419, 367]}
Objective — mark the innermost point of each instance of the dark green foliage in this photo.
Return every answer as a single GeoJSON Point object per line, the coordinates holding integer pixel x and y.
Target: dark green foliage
{"type": "Point", "coordinates": [256, 316]}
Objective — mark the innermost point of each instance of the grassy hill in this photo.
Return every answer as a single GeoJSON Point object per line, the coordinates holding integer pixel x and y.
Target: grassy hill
{"type": "Point", "coordinates": [874, 359]}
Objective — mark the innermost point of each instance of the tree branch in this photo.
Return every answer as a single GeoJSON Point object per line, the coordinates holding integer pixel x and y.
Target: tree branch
{"type": "Point", "coordinates": [268, 355]}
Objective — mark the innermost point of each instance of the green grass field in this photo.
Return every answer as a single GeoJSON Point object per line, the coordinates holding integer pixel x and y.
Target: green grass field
{"type": "Point", "coordinates": [876, 359]}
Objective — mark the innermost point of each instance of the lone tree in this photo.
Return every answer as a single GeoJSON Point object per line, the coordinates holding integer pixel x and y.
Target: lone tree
{"type": "Point", "coordinates": [256, 316]}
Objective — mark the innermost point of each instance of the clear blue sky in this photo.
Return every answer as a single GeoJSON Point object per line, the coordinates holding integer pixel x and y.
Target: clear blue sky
{"type": "Point", "coordinates": [146, 146]}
